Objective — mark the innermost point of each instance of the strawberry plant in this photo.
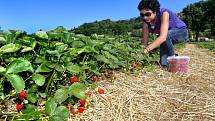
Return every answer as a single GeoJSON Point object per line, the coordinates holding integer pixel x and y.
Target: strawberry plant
{"type": "Point", "coordinates": [58, 67]}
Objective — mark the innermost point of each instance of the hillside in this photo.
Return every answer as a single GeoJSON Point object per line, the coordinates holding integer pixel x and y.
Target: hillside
{"type": "Point", "coordinates": [110, 27]}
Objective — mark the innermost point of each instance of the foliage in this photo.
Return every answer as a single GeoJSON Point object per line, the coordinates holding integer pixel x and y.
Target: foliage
{"type": "Point", "coordinates": [42, 64]}
{"type": "Point", "coordinates": [198, 17]}
{"type": "Point", "coordinates": [108, 27]}
{"type": "Point", "coordinates": [207, 45]}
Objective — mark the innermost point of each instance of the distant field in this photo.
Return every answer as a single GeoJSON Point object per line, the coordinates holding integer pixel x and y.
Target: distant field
{"type": "Point", "coordinates": [207, 45]}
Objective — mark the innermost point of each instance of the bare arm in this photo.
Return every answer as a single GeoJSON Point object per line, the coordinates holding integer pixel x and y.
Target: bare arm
{"type": "Point", "coordinates": [163, 33]}
{"type": "Point", "coordinates": [145, 30]}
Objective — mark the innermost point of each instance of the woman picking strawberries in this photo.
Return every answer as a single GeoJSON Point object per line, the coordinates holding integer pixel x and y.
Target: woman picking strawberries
{"type": "Point", "coordinates": [163, 22]}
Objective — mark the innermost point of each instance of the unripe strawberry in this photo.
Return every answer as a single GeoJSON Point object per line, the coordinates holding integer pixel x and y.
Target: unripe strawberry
{"type": "Point", "coordinates": [69, 107]}
{"type": "Point", "coordinates": [19, 106]}
{"type": "Point", "coordinates": [89, 94]}
{"type": "Point", "coordinates": [25, 101]}
{"type": "Point", "coordinates": [73, 79]}
{"type": "Point", "coordinates": [22, 95]}
{"type": "Point", "coordinates": [75, 112]}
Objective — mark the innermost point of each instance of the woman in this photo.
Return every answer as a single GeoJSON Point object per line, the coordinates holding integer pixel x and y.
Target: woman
{"type": "Point", "coordinates": [163, 22]}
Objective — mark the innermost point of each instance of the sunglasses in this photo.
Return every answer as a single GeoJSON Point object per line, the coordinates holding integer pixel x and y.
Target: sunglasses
{"type": "Point", "coordinates": [147, 14]}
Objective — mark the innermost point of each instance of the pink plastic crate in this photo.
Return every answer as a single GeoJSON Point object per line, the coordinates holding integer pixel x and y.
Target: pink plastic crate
{"type": "Point", "coordinates": [178, 64]}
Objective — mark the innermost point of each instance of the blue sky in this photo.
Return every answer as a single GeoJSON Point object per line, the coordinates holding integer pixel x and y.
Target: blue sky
{"type": "Point", "coordinates": [32, 15]}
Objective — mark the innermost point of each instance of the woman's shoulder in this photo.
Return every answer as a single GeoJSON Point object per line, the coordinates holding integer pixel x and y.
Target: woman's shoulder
{"type": "Point", "coordinates": [162, 10]}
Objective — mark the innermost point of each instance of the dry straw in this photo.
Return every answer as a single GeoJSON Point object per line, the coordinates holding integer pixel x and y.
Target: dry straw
{"type": "Point", "coordinates": [160, 95]}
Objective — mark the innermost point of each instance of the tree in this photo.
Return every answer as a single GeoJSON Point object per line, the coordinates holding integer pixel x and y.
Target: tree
{"type": "Point", "coordinates": [210, 14]}
{"type": "Point", "coordinates": [194, 17]}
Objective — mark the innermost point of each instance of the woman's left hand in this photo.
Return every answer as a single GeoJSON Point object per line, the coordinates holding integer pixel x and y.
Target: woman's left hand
{"type": "Point", "coordinates": [145, 51]}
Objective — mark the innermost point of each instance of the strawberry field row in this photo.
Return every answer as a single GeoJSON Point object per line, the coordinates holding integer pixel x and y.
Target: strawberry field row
{"type": "Point", "coordinates": [60, 68]}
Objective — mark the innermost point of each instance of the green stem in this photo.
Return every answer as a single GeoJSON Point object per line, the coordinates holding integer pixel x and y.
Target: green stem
{"type": "Point", "coordinates": [50, 81]}
{"type": "Point", "coordinates": [101, 66]}
{"type": "Point", "coordinates": [5, 118]}
{"type": "Point", "coordinates": [28, 77]}
{"type": "Point", "coordinates": [12, 94]}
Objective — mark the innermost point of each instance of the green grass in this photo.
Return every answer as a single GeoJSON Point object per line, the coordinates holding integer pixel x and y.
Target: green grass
{"type": "Point", "coordinates": [180, 45]}
{"type": "Point", "coordinates": [207, 45]}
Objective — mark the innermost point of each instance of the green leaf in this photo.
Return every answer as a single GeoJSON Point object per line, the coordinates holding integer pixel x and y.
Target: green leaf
{"type": "Point", "coordinates": [26, 49]}
{"type": "Point", "coordinates": [19, 65]}
{"type": "Point", "coordinates": [78, 90]}
{"type": "Point", "coordinates": [62, 48]}
{"type": "Point", "coordinates": [61, 95]}
{"type": "Point", "coordinates": [60, 29]}
{"type": "Point", "coordinates": [42, 34]}
{"type": "Point", "coordinates": [50, 106]}
{"type": "Point", "coordinates": [73, 68]}
{"type": "Point", "coordinates": [103, 59]}
{"type": "Point", "coordinates": [2, 40]}
{"type": "Point", "coordinates": [43, 95]}
{"type": "Point", "coordinates": [53, 52]}
{"type": "Point", "coordinates": [60, 68]}
{"type": "Point", "coordinates": [43, 44]}
{"type": "Point", "coordinates": [2, 69]}
{"type": "Point", "coordinates": [33, 88]}
{"type": "Point", "coordinates": [60, 114]}
{"type": "Point", "coordinates": [43, 68]}
{"type": "Point", "coordinates": [87, 49]}
{"type": "Point", "coordinates": [73, 52]}
{"type": "Point", "coordinates": [50, 64]}
{"type": "Point", "coordinates": [77, 44]}
{"type": "Point", "coordinates": [39, 79]}
{"type": "Point", "coordinates": [65, 58]}
{"type": "Point", "coordinates": [9, 48]}
{"type": "Point", "coordinates": [40, 59]}
{"type": "Point", "coordinates": [110, 56]}
{"type": "Point", "coordinates": [30, 113]}
{"type": "Point", "coordinates": [29, 109]}
{"type": "Point", "coordinates": [32, 97]}
{"type": "Point", "coordinates": [16, 81]}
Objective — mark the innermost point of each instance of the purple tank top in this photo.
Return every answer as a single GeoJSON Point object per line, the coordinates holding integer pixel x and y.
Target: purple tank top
{"type": "Point", "coordinates": [174, 22]}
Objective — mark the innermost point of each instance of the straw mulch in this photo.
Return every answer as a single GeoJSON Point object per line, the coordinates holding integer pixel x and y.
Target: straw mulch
{"type": "Point", "coordinates": [160, 95]}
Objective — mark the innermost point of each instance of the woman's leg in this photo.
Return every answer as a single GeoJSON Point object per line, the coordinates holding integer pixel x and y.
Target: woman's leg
{"type": "Point", "coordinates": [167, 49]}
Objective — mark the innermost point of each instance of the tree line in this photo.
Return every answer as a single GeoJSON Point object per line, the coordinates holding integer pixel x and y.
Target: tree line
{"type": "Point", "coordinates": [198, 16]}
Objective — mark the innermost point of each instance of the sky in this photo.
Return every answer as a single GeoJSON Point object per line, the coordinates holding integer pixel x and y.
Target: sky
{"type": "Point", "coordinates": [32, 15]}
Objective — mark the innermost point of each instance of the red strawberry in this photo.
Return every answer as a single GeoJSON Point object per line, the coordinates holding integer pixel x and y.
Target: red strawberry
{"type": "Point", "coordinates": [75, 112]}
{"type": "Point", "coordinates": [110, 73]}
{"type": "Point", "coordinates": [82, 102]}
{"type": "Point", "coordinates": [101, 91]}
{"type": "Point", "coordinates": [19, 106]}
{"type": "Point", "coordinates": [22, 95]}
{"type": "Point", "coordinates": [80, 109]}
{"type": "Point", "coordinates": [73, 79]}
{"type": "Point", "coordinates": [95, 79]}
{"type": "Point", "coordinates": [106, 75]}
{"type": "Point", "coordinates": [101, 77]}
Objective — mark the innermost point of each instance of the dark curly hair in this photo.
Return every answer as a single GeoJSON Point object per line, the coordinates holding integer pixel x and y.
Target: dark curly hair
{"type": "Point", "coordinates": [153, 5]}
